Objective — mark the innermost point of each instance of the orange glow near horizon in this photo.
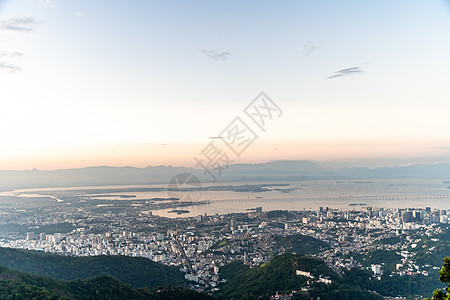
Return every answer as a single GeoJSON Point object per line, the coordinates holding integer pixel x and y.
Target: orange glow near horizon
{"type": "Point", "coordinates": [182, 154]}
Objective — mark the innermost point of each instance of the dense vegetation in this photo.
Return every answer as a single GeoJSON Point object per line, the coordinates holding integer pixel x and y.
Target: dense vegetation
{"type": "Point", "coordinates": [300, 244]}
{"type": "Point", "coordinates": [48, 228]}
{"type": "Point", "coordinates": [394, 285]}
{"type": "Point", "coordinates": [279, 275]}
{"type": "Point", "coordinates": [20, 285]}
{"type": "Point", "coordinates": [407, 286]}
{"type": "Point", "coordinates": [444, 276]}
{"type": "Point", "coordinates": [121, 277]}
{"type": "Point", "coordinates": [136, 271]}
{"type": "Point", "coordinates": [388, 259]}
{"type": "Point", "coordinates": [10, 289]}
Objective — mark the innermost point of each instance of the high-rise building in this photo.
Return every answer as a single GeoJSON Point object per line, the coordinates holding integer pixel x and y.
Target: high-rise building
{"type": "Point", "coordinates": [406, 216]}
{"type": "Point", "coordinates": [30, 236]}
{"type": "Point", "coordinates": [422, 214]}
{"type": "Point", "coordinates": [435, 217]}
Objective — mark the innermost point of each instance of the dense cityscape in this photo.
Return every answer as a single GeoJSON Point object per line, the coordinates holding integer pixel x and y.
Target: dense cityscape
{"type": "Point", "coordinates": [201, 245]}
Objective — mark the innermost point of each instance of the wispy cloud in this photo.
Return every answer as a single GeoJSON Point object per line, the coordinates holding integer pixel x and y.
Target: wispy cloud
{"type": "Point", "coordinates": [10, 54]}
{"type": "Point", "coordinates": [48, 3]}
{"type": "Point", "coordinates": [6, 66]}
{"type": "Point", "coordinates": [5, 61]}
{"type": "Point", "coordinates": [308, 49]}
{"type": "Point", "coordinates": [345, 72]}
{"type": "Point", "coordinates": [19, 23]}
{"type": "Point", "coordinates": [217, 55]}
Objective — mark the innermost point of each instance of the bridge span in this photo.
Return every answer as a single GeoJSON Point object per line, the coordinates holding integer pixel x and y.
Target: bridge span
{"type": "Point", "coordinates": [355, 199]}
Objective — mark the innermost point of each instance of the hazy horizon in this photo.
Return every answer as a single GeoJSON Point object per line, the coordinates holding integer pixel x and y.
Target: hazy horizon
{"type": "Point", "coordinates": [333, 164]}
{"type": "Point", "coordinates": [153, 83]}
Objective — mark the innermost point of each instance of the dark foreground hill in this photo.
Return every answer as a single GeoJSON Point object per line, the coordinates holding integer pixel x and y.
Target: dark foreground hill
{"type": "Point", "coordinates": [279, 275]}
{"type": "Point", "coordinates": [21, 285]}
{"type": "Point", "coordinates": [136, 271]}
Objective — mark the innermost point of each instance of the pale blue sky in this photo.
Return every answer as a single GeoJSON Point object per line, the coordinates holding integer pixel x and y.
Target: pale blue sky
{"type": "Point", "coordinates": [129, 83]}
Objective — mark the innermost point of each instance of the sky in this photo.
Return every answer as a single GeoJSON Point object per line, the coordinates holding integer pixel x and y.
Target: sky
{"type": "Point", "coordinates": [146, 83]}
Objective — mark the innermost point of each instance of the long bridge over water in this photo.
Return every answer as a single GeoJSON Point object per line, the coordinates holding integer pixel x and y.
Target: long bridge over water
{"type": "Point", "coordinates": [361, 198]}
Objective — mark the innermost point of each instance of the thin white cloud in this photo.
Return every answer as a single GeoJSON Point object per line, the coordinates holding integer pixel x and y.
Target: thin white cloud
{"type": "Point", "coordinates": [217, 55]}
{"type": "Point", "coordinates": [10, 54]}
{"type": "Point", "coordinates": [48, 3]}
{"type": "Point", "coordinates": [19, 23]}
{"type": "Point", "coordinates": [345, 72]}
{"type": "Point", "coordinates": [8, 67]}
{"type": "Point", "coordinates": [6, 63]}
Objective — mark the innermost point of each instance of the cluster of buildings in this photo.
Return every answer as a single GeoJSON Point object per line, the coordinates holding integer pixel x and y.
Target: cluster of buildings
{"type": "Point", "coordinates": [200, 246]}
{"type": "Point", "coordinates": [424, 216]}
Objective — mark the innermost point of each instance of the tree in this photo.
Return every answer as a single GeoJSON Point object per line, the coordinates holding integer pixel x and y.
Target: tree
{"type": "Point", "coordinates": [444, 276]}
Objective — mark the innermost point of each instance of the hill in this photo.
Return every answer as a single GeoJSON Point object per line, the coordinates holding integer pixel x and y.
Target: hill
{"type": "Point", "coordinates": [279, 275]}
{"type": "Point", "coordinates": [413, 285]}
{"type": "Point", "coordinates": [21, 285]}
{"type": "Point", "coordinates": [137, 271]}
{"type": "Point", "coordinates": [300, 244]}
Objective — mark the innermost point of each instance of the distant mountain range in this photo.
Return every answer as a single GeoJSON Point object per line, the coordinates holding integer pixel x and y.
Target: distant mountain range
{"type": "Point", "coordinates": [271, 171]}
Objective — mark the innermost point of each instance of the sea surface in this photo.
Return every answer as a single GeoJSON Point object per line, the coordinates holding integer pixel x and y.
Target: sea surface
{"type": "Point", "coordinates": [301, 195]}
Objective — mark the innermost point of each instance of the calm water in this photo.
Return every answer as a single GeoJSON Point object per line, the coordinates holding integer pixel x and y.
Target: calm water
{"type": "Point", "coordinates": [330, 193]}
{"type": "Point", "coordinates": [326, 193]}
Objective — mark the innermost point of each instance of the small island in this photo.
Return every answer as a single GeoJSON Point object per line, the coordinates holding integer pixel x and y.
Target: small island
{"type": "Point", "coordinates": [179, 211]}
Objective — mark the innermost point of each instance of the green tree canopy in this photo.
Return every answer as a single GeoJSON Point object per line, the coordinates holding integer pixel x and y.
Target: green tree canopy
{"type": "Point", "coordinates": [444, 276]}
